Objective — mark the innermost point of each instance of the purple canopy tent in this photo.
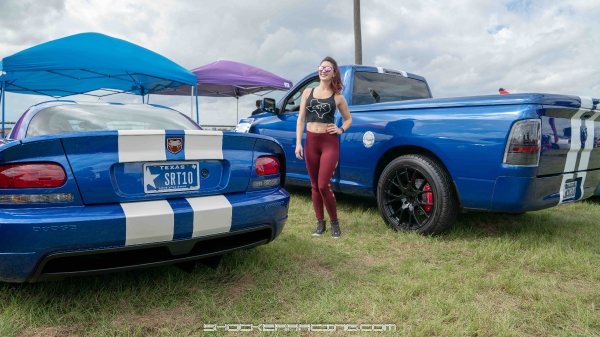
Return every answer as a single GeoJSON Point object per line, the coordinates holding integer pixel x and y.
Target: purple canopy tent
{"type": "Point", "coordinates": [230, 79]}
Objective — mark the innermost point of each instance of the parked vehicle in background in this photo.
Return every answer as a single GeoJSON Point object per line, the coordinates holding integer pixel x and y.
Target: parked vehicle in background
{"type": "Point", "coordinates": [92, 188]}
{"type": "Point", "coordinates": [426, 159]}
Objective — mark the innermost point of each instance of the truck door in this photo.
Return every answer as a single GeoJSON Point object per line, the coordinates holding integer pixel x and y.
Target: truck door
{"type": "Point", "coordinates": [283, 128]}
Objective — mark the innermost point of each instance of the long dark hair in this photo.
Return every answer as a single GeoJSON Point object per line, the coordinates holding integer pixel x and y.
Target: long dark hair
{"type": "Point", "coordinates": [336, 81]}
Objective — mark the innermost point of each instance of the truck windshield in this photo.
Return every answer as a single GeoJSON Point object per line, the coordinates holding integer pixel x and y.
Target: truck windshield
{"type": "Point", "coordinates": [82, 118]}
{"type": "Point", "coordinates": [372, 88]}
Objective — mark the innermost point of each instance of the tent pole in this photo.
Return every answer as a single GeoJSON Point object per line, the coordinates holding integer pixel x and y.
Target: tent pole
{"type": "Point", "coordinates": [3, 98]}
{"type": "Point", "coordinates": [197, 114]}
{"type": "Point", "coordinates": [148, 100]}
{"type": "Point", "coordinates": [237, 106]}
{"type": "Point", "coordinates": [192, 102]}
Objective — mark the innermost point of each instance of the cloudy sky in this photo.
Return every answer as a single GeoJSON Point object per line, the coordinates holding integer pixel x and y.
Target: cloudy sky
{"type": "Point", "coordinates": [462, 47]}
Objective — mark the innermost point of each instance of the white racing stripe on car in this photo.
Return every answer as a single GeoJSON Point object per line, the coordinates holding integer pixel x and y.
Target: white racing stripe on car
{"type": "Point", "coordinates": [200, 144]}
{"type": "Point", "coordinates": [148, 221]}
{"type": "Point", "coordinates": [212, 215]}
{"type": "Point", "coordinates": [141, 145]}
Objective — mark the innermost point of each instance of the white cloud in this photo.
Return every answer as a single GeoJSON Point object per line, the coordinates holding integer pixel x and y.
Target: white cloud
{"type": "Point", "coordinates": [466, 47]}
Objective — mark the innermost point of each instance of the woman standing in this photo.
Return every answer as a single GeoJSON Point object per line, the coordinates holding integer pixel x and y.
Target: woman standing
{"type": "Point", "coordinates": [322, 150]}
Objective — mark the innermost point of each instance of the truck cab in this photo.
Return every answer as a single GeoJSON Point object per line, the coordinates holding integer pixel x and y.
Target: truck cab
{"type": "Point", "coordinates": [362, 85]}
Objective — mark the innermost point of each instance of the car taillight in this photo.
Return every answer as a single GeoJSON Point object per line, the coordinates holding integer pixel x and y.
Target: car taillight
{"type": "Point", "coordinates": [266, 165]}
{"type": "Point", "coordinates": [32, 175]}
{"type": "Point", "coordinates": [523, 145]}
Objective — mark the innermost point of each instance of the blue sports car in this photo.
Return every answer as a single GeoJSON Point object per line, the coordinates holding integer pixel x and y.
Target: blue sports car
{"type": "Point", "coordinates": [89, 188]}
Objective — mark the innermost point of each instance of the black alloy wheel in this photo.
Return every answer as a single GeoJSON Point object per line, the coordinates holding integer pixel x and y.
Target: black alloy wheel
{"type": "Point", "coordinates": [415, 193]}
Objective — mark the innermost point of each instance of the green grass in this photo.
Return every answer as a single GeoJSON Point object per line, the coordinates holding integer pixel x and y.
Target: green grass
{"type": "Point", "coordinates": [537, 274]}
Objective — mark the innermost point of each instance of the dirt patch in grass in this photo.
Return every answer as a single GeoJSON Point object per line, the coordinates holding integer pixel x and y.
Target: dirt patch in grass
{"type": "Point", "coordinates": [50, 331]}
{"type": "Point", "coordinates": [236, 290]}
{"type": "Point", "coordinates": [157, 322]}
{"type": "Point", "coordinates": [314, 266]}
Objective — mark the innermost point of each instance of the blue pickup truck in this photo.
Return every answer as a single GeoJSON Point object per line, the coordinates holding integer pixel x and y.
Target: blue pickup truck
{"type": "Point", "coordinates": [426, 159]}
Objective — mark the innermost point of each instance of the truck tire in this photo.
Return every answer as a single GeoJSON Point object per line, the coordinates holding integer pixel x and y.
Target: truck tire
{"type": "Point", "coordinates": [416, 194]}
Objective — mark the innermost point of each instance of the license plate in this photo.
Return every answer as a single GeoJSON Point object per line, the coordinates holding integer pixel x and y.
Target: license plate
{"type": "Point", "coordinates": [569, 191]}
{"type": "Point", "coordinates": [171, 177]}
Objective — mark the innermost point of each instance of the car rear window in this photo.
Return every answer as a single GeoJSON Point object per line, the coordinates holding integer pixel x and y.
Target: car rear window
{"type": "Point", "coordinates": [82, 118]}
{"type": "Point", "coordinates": [372, 88]}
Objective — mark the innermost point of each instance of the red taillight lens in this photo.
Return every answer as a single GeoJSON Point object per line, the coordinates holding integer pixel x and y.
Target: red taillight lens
{"type": "Point", "coordinates": [524, 143]}
{"type": "Point", "coordinates": [266, 165]}
{"type": "Point", "coordinates": [32, 175]}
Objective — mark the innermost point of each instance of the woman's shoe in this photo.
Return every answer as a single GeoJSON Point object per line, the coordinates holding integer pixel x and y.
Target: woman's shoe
{"type": "Point", "coordinates": [335, 229]}
{"type": "Point", "coordinates": [320, 228]}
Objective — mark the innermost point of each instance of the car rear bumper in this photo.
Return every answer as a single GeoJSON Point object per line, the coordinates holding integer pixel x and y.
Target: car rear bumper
{"type": "Point", "coordinates": [52, 243]}
{"type": "Point", "coordinates": [517, 195]}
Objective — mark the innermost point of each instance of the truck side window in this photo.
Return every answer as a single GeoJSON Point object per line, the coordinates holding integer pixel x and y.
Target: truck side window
{"type": "Point", "coordinates": [379, 88]}
{"type": "Point", "coordinates": [293, 102]}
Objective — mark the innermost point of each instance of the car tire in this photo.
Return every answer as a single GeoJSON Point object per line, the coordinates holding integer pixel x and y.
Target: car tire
{"type": "Point", "coordinates": [416, 194]}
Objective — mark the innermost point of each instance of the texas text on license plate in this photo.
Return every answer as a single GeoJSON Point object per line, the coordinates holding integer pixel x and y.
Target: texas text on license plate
{"type": "Point", "coordinates": [171, 177]}
{"type": "Point", "coordinates": [569, 191]}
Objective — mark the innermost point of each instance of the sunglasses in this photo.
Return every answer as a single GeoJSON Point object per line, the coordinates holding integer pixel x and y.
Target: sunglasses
{"type": "Point", "coordinates": [325, 69]}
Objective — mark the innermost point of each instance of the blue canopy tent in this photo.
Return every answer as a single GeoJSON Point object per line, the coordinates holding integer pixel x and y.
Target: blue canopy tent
{"type": "Point", "coordinates": [83, 63]}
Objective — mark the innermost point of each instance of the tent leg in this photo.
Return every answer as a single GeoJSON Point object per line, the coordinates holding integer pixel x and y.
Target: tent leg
{"type": "Point", "coordinates": [197, 114]}
{"type": "Point", "coordinates": [148, 100]}
{"type": "Point", "coordinates": [3, 98]}
{"type": "Point", "coordinates": [192, 102]}
{"type": "Point", "coordinates": [237, 110]}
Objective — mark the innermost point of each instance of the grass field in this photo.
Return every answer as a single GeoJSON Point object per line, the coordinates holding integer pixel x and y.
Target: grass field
{"type": "Point", "coordinates": [536, 274]}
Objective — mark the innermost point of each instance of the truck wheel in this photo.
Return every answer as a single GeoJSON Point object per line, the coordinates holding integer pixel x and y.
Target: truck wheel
{"type": "Point", "coordinates": [416, 194]}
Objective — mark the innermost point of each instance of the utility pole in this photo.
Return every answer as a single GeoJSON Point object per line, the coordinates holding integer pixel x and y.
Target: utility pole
{"type": "Point", "coordinates": [357, 35]}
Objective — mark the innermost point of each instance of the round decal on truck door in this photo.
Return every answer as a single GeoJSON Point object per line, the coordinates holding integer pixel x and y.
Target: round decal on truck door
{"type": "Point", "coordinates": [368, 139]}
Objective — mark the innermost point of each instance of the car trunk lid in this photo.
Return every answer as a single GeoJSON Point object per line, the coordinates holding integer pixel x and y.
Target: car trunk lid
{"type": "Point", "coordinates": [138, 165]}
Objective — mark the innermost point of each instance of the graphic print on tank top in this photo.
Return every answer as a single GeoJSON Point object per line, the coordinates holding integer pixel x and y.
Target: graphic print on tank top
{"type": "Point", "coordinates": [319, 108]}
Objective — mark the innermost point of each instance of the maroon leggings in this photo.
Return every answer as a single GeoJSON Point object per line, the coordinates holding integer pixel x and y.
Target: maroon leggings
{"type": "Point", "coordinates": [322, 152]}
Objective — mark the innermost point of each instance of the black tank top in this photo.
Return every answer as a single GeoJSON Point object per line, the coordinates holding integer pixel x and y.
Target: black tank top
{"type": "Point", "coordinates": [320, 110]}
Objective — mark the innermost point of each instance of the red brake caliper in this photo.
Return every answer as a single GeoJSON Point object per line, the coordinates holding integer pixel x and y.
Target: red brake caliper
{"type": "Point", "coordinates": [428, 198]}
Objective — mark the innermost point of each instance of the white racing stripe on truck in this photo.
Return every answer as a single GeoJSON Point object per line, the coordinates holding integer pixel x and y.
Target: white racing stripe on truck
{"type": "Point", "coordinates": [586, 102]}
{"type": "Point", "coordinates": [141, 145]}
{"type": "Point", "coordinates": [575, 141]}
{"type": "Point", "coordinates": [212, 215]}
{"type": "Point", "coordinates": [575, 146]}
{"type": "Point", "coordinates": [589, 142]}
{"type": "Point", "coordinates": [200, 144]}
{"type": "Point", "coordinates": [148, 221]}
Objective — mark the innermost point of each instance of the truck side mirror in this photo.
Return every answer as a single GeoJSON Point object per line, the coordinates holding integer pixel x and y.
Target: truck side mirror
{"type": "Point", "coordinates": [267, 105]}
